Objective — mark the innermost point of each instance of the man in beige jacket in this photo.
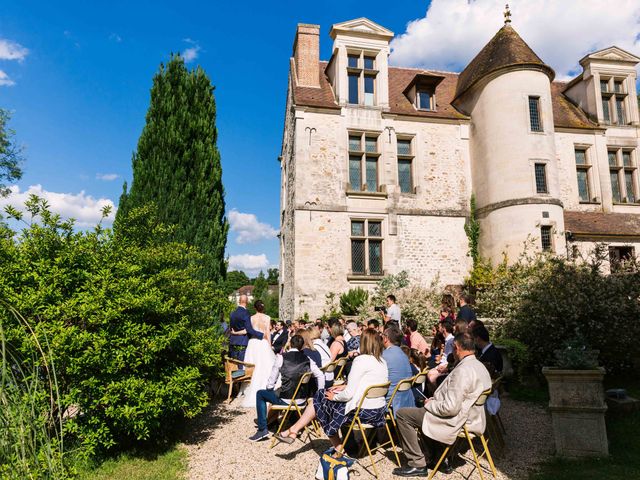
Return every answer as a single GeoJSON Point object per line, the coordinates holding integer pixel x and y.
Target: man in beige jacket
{"type": "Point", "coordinates": [451, 407]}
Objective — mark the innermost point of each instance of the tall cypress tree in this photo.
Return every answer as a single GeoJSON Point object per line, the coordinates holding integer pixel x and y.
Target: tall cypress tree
{"type": "Point", "coordinates": [177, 163]}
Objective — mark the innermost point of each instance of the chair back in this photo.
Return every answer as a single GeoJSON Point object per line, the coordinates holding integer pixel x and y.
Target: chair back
{"type": "Point", "coordinates": [421, 377]}
{"type": "Point", "coordinates": [497, 383]}
{"type": "Point", "coordinates": [329, 367]}
{"type": "Point", "coordinates": [482, 399]}
{"type": "Point", "coordinates": [304, 379]}
{"type": "Point", "coordinates": [341, 362]}
{"type": "Point", "coordinates": [402, 386]}
{"type": "Point", "coordinates": [233, 364]}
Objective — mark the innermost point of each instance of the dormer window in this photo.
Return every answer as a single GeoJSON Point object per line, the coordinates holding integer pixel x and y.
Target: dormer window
{"type": "Point", "coordinates": [613, 93]}
{"type": "Point", "coordinates": [361, 73]}
{"type": "Point", "coordinates": [426, 99]}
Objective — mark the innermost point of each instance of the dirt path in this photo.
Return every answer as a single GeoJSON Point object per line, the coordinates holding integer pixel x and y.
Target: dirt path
{"type": "Point", "coordinates": [219, 449]}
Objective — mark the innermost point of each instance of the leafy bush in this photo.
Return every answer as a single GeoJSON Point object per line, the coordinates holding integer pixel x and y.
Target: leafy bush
{"type": "Point", "coordinates": [518, 354]}
{"type": "Point", "coordinates": [353, 300]}
{"type": "Point", "coordinates": [130, 322]}
{"type": "Point", "coordinates": [420, 303]}
{"type": "Point", "coordinates": [546, 301]}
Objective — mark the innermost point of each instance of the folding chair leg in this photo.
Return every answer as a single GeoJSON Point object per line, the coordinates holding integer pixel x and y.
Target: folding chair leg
{"type": "Point", "coordinates": [473, 450]}
{"type": "Point", "coordinates": [486, 449]}
{"type": "Point", "coordinates": [284, 417]}
{"type": "Point", "coordinates": [393, 445]}
{"type": "Point", "coordinates": [500, 423]}
{"type": "Point", "coordinates": [440, 460]}
{"type": "Point", "coordinates": [366, 444]}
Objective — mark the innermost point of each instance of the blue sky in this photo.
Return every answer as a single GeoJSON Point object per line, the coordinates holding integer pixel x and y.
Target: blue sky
{"type": "Point", "coordinates": [79, 88]}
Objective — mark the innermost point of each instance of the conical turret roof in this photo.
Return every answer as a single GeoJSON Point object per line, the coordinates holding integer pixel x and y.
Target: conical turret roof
{"type": "Point", "coordinates": [505, 50]}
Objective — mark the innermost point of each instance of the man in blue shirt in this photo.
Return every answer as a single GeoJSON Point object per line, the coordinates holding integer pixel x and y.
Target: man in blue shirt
{"type": "Point", "coordinates": [398, 366]}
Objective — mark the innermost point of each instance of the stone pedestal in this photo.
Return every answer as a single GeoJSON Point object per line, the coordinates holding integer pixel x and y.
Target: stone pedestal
{"type": "Point", "coordinates": [577, 406]}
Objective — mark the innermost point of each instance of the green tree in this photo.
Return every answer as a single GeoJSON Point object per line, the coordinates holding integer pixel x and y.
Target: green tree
{"type": "Point", "coordinates": [260, 287]}
{"type": "Point", "coordinates": [235, 279]}
{"type": "Point", "coordinates": [177, 164]}
{"type": "Point", "coordinates": [10, 154]}
{"type": "Point", "coordinates": [272, 276]}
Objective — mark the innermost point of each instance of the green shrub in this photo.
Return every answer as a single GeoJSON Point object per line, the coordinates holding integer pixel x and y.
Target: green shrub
{"type": "Point", "coordinates": [353, 300]}
{"type": "Point", "coordinates": [129, 319]}
{"type": "Point", "coordinates": [518, 354]}
{"type": "Point", "coordinates": [546, 301]}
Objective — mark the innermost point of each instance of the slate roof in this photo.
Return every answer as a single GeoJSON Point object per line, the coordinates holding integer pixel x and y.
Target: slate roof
{"type": "Point", "coordinates": [565, 113]}
{"type": "Point", "coordinates": [506, 49]}
{"type": "Point", "coordinates": [600, 223]}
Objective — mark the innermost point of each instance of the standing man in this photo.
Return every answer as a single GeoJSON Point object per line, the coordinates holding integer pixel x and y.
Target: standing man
{"type": "Point", "coordinates": [392, 313]}
{"type": "Point", "coordinates": [452, 407]}
{"type": "Point", "coordinates": [240, 321]}
{"type": "Point", "coordinates": [465, 312]}
{"type": "Point", "coordinates": [279, 338]}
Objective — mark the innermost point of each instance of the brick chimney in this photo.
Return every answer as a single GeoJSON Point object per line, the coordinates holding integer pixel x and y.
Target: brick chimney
{"type": "Point", "coordinates": [306, 55]}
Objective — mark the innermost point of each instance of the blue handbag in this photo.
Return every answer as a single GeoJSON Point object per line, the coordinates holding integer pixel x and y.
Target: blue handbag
{"type": "Point", "coordinates": [332, 468]}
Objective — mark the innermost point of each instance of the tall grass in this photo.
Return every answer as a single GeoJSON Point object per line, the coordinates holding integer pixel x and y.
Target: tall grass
{"type": "Point", "coordinates": [31, 438]}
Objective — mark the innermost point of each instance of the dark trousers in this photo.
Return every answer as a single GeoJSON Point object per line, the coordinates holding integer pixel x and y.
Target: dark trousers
{"type": "Point", "coordinates": [262, 398]}
{"type": "Point", "coordinates": [237, 352]}
{"type": "Point", "coordinates": [417, 447]}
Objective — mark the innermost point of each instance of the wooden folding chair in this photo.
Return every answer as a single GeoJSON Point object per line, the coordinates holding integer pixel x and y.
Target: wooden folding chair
{"type": "Point", "coordinates": [402, 386]}
{"type": "Point", "coordinates": [340, 363]}
{"type": "Point", "coordinates": [235, 372]}
{"type": "Point", "coordinates": [464, 433]}
{"type": "Point", "coordinates": [292, 406]}
{"type": "Point", "coordinates": [374, 391]}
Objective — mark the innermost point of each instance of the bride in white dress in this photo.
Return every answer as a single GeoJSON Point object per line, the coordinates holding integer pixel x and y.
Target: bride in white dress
{"type": "Point", "coordinates": [259, 353]}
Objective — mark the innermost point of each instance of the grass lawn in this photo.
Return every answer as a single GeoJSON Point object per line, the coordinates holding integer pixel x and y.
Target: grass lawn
{"type": "Point", "coordinates": [169, 465]}
{"type": "Point", "coordinates": [624, 447]}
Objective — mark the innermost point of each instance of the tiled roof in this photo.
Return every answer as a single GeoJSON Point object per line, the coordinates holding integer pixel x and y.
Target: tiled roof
{"type": "Point", "coordinates": [565, 113]}
{"type": "Point", "coordinates": [599, 223]}
{"type": "Point", "coordinates": [506, 49]}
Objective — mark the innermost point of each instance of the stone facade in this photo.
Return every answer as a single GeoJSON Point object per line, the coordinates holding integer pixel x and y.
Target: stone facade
{"type": "Point", "coordinates": [478, 140]}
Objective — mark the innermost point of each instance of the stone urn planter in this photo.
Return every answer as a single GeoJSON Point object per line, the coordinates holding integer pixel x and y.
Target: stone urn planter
{"type": "Point", "coordinates": [577, 405]}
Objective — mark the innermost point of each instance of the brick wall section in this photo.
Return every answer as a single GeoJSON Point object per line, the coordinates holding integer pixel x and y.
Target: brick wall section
{"type": "Point", "coordinates": [306, 54]}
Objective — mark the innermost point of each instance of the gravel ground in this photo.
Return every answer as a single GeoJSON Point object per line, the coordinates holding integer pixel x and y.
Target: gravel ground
{"type": "Point", "coordinates": [219, 448]}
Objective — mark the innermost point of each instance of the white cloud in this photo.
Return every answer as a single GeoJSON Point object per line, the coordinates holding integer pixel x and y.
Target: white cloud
{"type": "Point", "coordinates": [5, 81]}
{"type": "Point", "coordinates": [560, 32]}
{"type": "Point", "coordinates": [10, 50]}
{"type": "Point", "coordinates": [249, 264]}
{"type": "Point", "coordinates": [248, 228]}
{"type": "Point", "coordinates": [114, 37]}
{"type": "Point", "coordinates": [107, 177]}
{"type": "Point", "coordinates": [85, 209]}
{"type": "Point", "coordinates": [191, 53]}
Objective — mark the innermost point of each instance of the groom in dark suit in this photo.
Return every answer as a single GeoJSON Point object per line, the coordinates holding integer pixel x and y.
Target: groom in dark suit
{"type": "Point", "coordinates": [241, 320]}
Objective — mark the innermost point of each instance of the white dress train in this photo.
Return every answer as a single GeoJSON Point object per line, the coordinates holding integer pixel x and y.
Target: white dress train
{"type": "Point", "coordinates": [259, 353]}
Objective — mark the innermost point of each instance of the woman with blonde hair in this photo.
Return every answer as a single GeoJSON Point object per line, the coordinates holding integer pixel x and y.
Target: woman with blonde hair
{"type": "Point", "coordinates": [309, 349]}
{"type": "Point", "coordinates": [336, 406]}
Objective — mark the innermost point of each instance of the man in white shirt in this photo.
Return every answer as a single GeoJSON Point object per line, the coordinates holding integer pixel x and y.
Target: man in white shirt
{"type": "Point", "coordinates": [393, 311]}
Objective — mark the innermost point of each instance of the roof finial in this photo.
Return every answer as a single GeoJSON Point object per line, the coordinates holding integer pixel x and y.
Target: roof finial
{"type": "Point", "coordinates": [507, 15]}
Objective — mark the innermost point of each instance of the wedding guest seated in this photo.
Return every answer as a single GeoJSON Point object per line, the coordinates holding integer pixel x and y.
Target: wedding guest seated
{"type": "Point", "coordinates": [398, 366]}
{"type": "Point", "coordinates": [460, 326]}
{"type": "Point", "coordinates": [446, 314]}
{"type": "Point", "coordinates": [353, 344]}
{"type": "Point", "coordinates": [290, 366]}
{"type": "Point", "coordinates": [416, 340]}
{"type": "Point", "coordinates": [280, 337]}
{"type": "Point", "coordinates": [446, 329]}
{"type": "Point", "coordinates": [375, 324]}
{"type": "Point", "coordinates": [325, 354]}
{"type": "Point", "coordinates": [309, 348]}
{"type": "Point", "coordinates": [337, 345]}
{"type": "Point", "coordinates": [488, 354]}
{"type": "Point", "coordinates": [435, 349]}
{"type": "Point", "coordinates": [336, 406]}
{"type": "Point", "coordinates": [475, 323]}
{"type": "Point", "coordinates": [452, 407]}
{"type": "Point", "coordinates": [465, 312]}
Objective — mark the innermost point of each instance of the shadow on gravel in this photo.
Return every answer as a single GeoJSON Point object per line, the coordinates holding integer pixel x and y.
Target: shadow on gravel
{"type": "Point", "coordinates": [215, 415]}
